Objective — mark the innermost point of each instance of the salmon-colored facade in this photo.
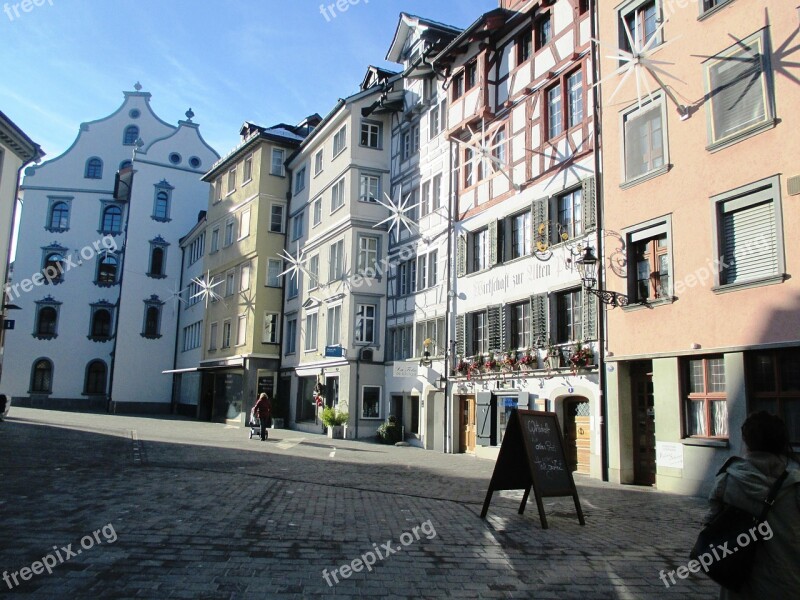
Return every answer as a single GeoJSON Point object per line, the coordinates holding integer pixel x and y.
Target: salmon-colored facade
{"type": "Point", "coordinates": [699, 212]}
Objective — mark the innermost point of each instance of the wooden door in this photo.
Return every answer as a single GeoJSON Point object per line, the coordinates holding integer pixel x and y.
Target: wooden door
{"type": "Point", "coordinates": [576, 434]}
{"type": "Point", "coordinates": [644, 424]}
{"type": "Point", "coordinates": [467, 424]}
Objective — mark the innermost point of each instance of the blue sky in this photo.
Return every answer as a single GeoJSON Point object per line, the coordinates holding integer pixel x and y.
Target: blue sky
{"type": "Point", "coordinates": [68, 61]}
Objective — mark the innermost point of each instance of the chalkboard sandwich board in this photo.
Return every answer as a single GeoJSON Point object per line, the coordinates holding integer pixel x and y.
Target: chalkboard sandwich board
{"type": "Point", "coordinates": [532, 457]}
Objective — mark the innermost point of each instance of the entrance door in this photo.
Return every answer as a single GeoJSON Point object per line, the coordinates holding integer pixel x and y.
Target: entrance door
{"type": "Point", "coordinates": [644, 424]}
{"type": "Point", "coordinates": [397, 408]}
{"type": "Point", "coordinates": [576, 434]}
{"type": "Point", "coordinates": [206, 398]}
{"type": "Point", "coordinates": [467, 424]}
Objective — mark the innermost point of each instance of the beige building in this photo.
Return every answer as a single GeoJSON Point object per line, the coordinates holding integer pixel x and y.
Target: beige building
{"type": "Point", "coordinates": [244, 237]}
{"type": "Point", "coordinates": [16, 151]}
{"type": "Point", "coordinates": [700, 179]}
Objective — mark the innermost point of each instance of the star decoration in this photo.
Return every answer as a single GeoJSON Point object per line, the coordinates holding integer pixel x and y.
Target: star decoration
{"type": "Point", "coordinates": [639, 63]}
{"type": "Point", "coordinates": [397, 216]}
{"type": "Point", "coordinates": [296, 263]}
{"type": "Point", "coordinates": [207, 286]}
{"type": "Point", "coordinates": [565, 160]}
{"type": "Point", "coordinates": [487, 152]}
{"type": "Point", "coordinates": [176, 295]}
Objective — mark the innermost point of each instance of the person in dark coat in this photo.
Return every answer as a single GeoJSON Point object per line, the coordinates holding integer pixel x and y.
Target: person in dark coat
{"type": "Point", "coordinates": [263, 410]}
{"type": "Point", "coordinates": [746, 484]}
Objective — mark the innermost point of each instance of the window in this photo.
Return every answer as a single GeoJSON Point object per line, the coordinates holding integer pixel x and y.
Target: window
{"type": "Point", "coordinates": [226, 334]}
{"type": "Point", "coordinates": [337, 195]}
{"type": "Point", "coordinates": [524, 46]}
{"type": "Point", "coordinates": [583, 7]}
{"type": "Point", "coordinates": [291, 336]}
{"type": "Point", "coordinates": [277, 168]}
{"type": "Point", "coordinates": [218, 189]}
{"type": "Point", "coordinates": [101, 324]}
{"type": "Point", "coordinates": [95, 381]}
{"type": "Point", "coordinates": [368, 255]}
{"type": "Point", "coordinates": [574, 99]}
{"type": "Point", "coordinates": [58, 218]}
{"type": "Point", "coordinates": [212, 337]}
{"type": "Point", "coordinates": [300, 181]}
{"type": "Point", "coordinates": [244, 224]}
{"type": "Point", "coordinates": [192, 336]}
{"type": "Point", "coordinates": [520, 316]}
{"type": "Point", "coordinates": [292, 287]}
{"type": "Point", "coordinates": [652, 268]}
{"type": "Point", "coordinates": [469, 167]}
{"type": "Point", "coordinates": [197, 248]}
{"type": "Point", "coordinates": [402, 276]}
{"type": "Point", "coordinates": [480, 250]}
{"type": "Point", "coordinates": [434, 122]}
{"type": "Point", "coordinates": [317, 212]}
{"type": "Point", "coordinates": [230, 226]}
{"type": "Point", "coordinates": [499, 146]}
{"type": "Point", "coordinates": [335, 325]}
{"type": "Point", "coordinates": [106, 269]}
{"type": "Point", "coordinates": [274, 269]}
{"type": "Point", "coordinates": [424, 201]}
{"type": "Point", "coordinates": [457, 84]}
{"type": "Point", "coordinates": [641, 22]}
{"type": "Point", "coordinates": [521, 235]}
{"type": "Point", "coordinates": [111, 220]}
{"type": "Point", "coordinates": [749, 238]}
{"type": "Point", "coordinates": [230, 283]}
{"type": "Point", "coordinates": [340, 140]}
{"type": "Point", "coordinates": [710, 4]}
{"type": "Point", "coordinates": [415, 138]}
{"type": "Point", "coordinates": [318, 162]}
{"type": "Point", "coordinates": [471, 75]}
{"type": "Point", "coordinates": [406, 145]}
{"type": "Point", "coordinates": [161, 206]}
{"type": "Point", "coordinates": [412, 275]}
{"type": "Point", "coordinates": [247, 168]}
{"type": "Point", "coordinates": [311, 332]}
{"type": "Point", "coordinates": [241, 330]}
{"type": "Point", "coordinates": [544, 32]}
{"type": "Point", "coordinates": [215, 240]}
{"type": "Point", "coordinates": [53, 265]}
{"type": "Point", "coordinates": [706, 406]}
{"type": "Point", "coordinates": [400, 342]}
{"type": "Point", "coordinates": [555, 116]}
{"type": "Point", "coordinates": [297, 227]}
{"type": "Point", "coordinates": [774, 384]}
{"type": "Point", "coordinates": [152, 318]}
{"type": "Point", "coordinates": [42, 376]}
{"type": "Point", "coordinates": [370, 134]}
{"type": "Point", "coordinates": [479, 334]}
{"type": "Point", "coordinates": [131, 135]}
{"type": "Point", "coordinates": [271, 334]}
{"type": "Point", "coordinates": [371, 402]}
{"type": "Point", "coordinates": [365, 323]}
{"type": "Point", "coordinates": [422, 272]}
{"type": "Point", "coordinates": [569, 327]}
{"type": "Point", "coordinates": [433, 268]}
{"type": "Point", "coordinates": [369, 188]}
{"type": "Point", "coordinates": [570, 215]}
{"type": "Point", "coordinates": [244, 277]}
{"type": "Point", "coordinates": [313, 272]}
{"type": "Point", "coordinates": [336, 260]}
{"type": "Point", "coordinates": [46, 320]}
{"type": "Point", "coordinates": [739, 91]}
{"type": "Point", "coordinates": [231, 180]}
{"type": "Point", "coordinates": [644, 139]}
{"type": "Point", "coordinates": [436, 193]}
{"type": "Point", "coordinates": [434, 331]}
{"type": "Point", "coordinates": [276, 218]}
{"type": "Point", "coordinates": [157, 260]}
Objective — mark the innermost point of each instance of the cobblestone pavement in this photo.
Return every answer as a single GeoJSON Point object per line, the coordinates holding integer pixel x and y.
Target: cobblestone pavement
{"type": "Point", "coordinates": [197, 510]}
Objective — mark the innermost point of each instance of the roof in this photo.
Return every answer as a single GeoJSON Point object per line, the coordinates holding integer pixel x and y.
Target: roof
{"type": "Point", "coordinates": [408, 22]}
{"type": "Point", "coordinates": [18, 141]}
{"type": "Point", "coordinates": [485, 25]}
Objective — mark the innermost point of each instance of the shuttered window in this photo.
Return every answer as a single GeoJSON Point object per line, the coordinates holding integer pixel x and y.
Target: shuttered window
{"type": "Point", "coordinates": [644, 140]}
{"type": "Point", "coordinates": [749, 247]}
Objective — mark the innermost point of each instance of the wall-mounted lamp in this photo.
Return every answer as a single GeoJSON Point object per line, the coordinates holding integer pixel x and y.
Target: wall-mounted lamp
{"type": "Point", "coordinates": [587, 268]}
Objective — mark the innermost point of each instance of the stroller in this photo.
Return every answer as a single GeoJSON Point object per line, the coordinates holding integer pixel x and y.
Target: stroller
{"type": "Point", "coordinates": [255, 426]}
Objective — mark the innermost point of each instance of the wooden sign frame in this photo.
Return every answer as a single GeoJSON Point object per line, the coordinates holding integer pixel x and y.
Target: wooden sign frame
{"type": "Point", "coordinates": [517, 468]}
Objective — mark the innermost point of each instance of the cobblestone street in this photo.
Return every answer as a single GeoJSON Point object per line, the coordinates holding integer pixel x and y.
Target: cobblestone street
{"type": "Point", "coordinates": [200, 511]}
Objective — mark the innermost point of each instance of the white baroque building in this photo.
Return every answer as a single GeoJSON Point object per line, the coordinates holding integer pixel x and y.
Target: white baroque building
{"type": "Point", "coordinates": [99, 262]}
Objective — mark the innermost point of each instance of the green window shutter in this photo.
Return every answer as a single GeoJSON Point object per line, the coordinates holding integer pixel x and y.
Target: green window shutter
{"type": "Point", "coordinates": [541, 226]}
{"type": "Point", "coordinates": [461, 256]}
{"type": "Point", "coordinates": [492, 243]}
{"type": "Point", "coordinates": [494, 318]}
{"type": "Point", "coordinates": [539, 329]}
{"type": "Point", "coordinates": [461, 333]}
{"type": "Point", "coordinates": [589, 203]}
{"type": "Point", "coordinates": [589, 316]}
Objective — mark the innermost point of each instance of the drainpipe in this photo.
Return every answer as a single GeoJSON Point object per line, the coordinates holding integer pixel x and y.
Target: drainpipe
{"type": "Point", "coordinates": [601, 312]}
{"type": "Point", "coordinates": [452, 255]}
{"type": "Point", "coordinates": [178, 334]}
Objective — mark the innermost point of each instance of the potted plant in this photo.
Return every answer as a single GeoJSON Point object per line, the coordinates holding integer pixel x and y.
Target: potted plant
{"type": "Point", "coordinates": [462, 367]}
{"type": "Point", "coordinates": [527, 361]}
{"type": "Point", "coordinates": [491, 363]}
{"type": "Point", "coordinates": [427, 343]}
{"type": "Point", "coordinates": [390, 431]}
{"type": "Point", "coordinates": [581, 357]}
{"type": "Point", "coordinates": [510, 360]}
{"type": "Point", "coordinates": [334, 421]}
{"type": "Point", "coordinates": [552, 359]}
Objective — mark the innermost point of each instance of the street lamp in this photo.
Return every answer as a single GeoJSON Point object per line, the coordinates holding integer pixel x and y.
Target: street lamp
{"type": "Point", "coordinates": [587, 268]}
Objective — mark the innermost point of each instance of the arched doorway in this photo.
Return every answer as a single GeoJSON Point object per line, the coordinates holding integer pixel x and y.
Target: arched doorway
{"type": "Point", "coordinates": [576, 433]}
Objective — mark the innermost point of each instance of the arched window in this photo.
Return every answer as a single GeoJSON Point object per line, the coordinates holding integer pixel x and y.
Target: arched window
{"type": "Point", "coordinates": [47, 318]}
{"type": "Point", "coordinates": [131, 135]}
{"type": "Point", "coordinates": [59, 216]}
{"type": "Point", "coordinates": [161, 208]}
{"type": "Point", "coordinates": [42, 376]}
{"type": "Point", "coordinates": [94, 168]}
{"type": "Point", "coordinates": [112, 219]}
{"type": "Point", "coordinates": [157, 261]}
{"type": "Point", "coordinates": [95, 378]}
{"type": "Point", "coordinates": [125, 164]}
{"type": "Point", "coordinates": [101, 323]}
{"type": "Point", "coordinates": [151, 321]}
{"type": "Point", "coordinates": [53, 267]}
{"type": "Point", "coordinates": [106, 270]}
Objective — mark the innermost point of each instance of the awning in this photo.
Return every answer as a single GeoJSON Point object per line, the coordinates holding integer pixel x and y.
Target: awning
{"type": "Point", "coordinates": [189, 370]}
